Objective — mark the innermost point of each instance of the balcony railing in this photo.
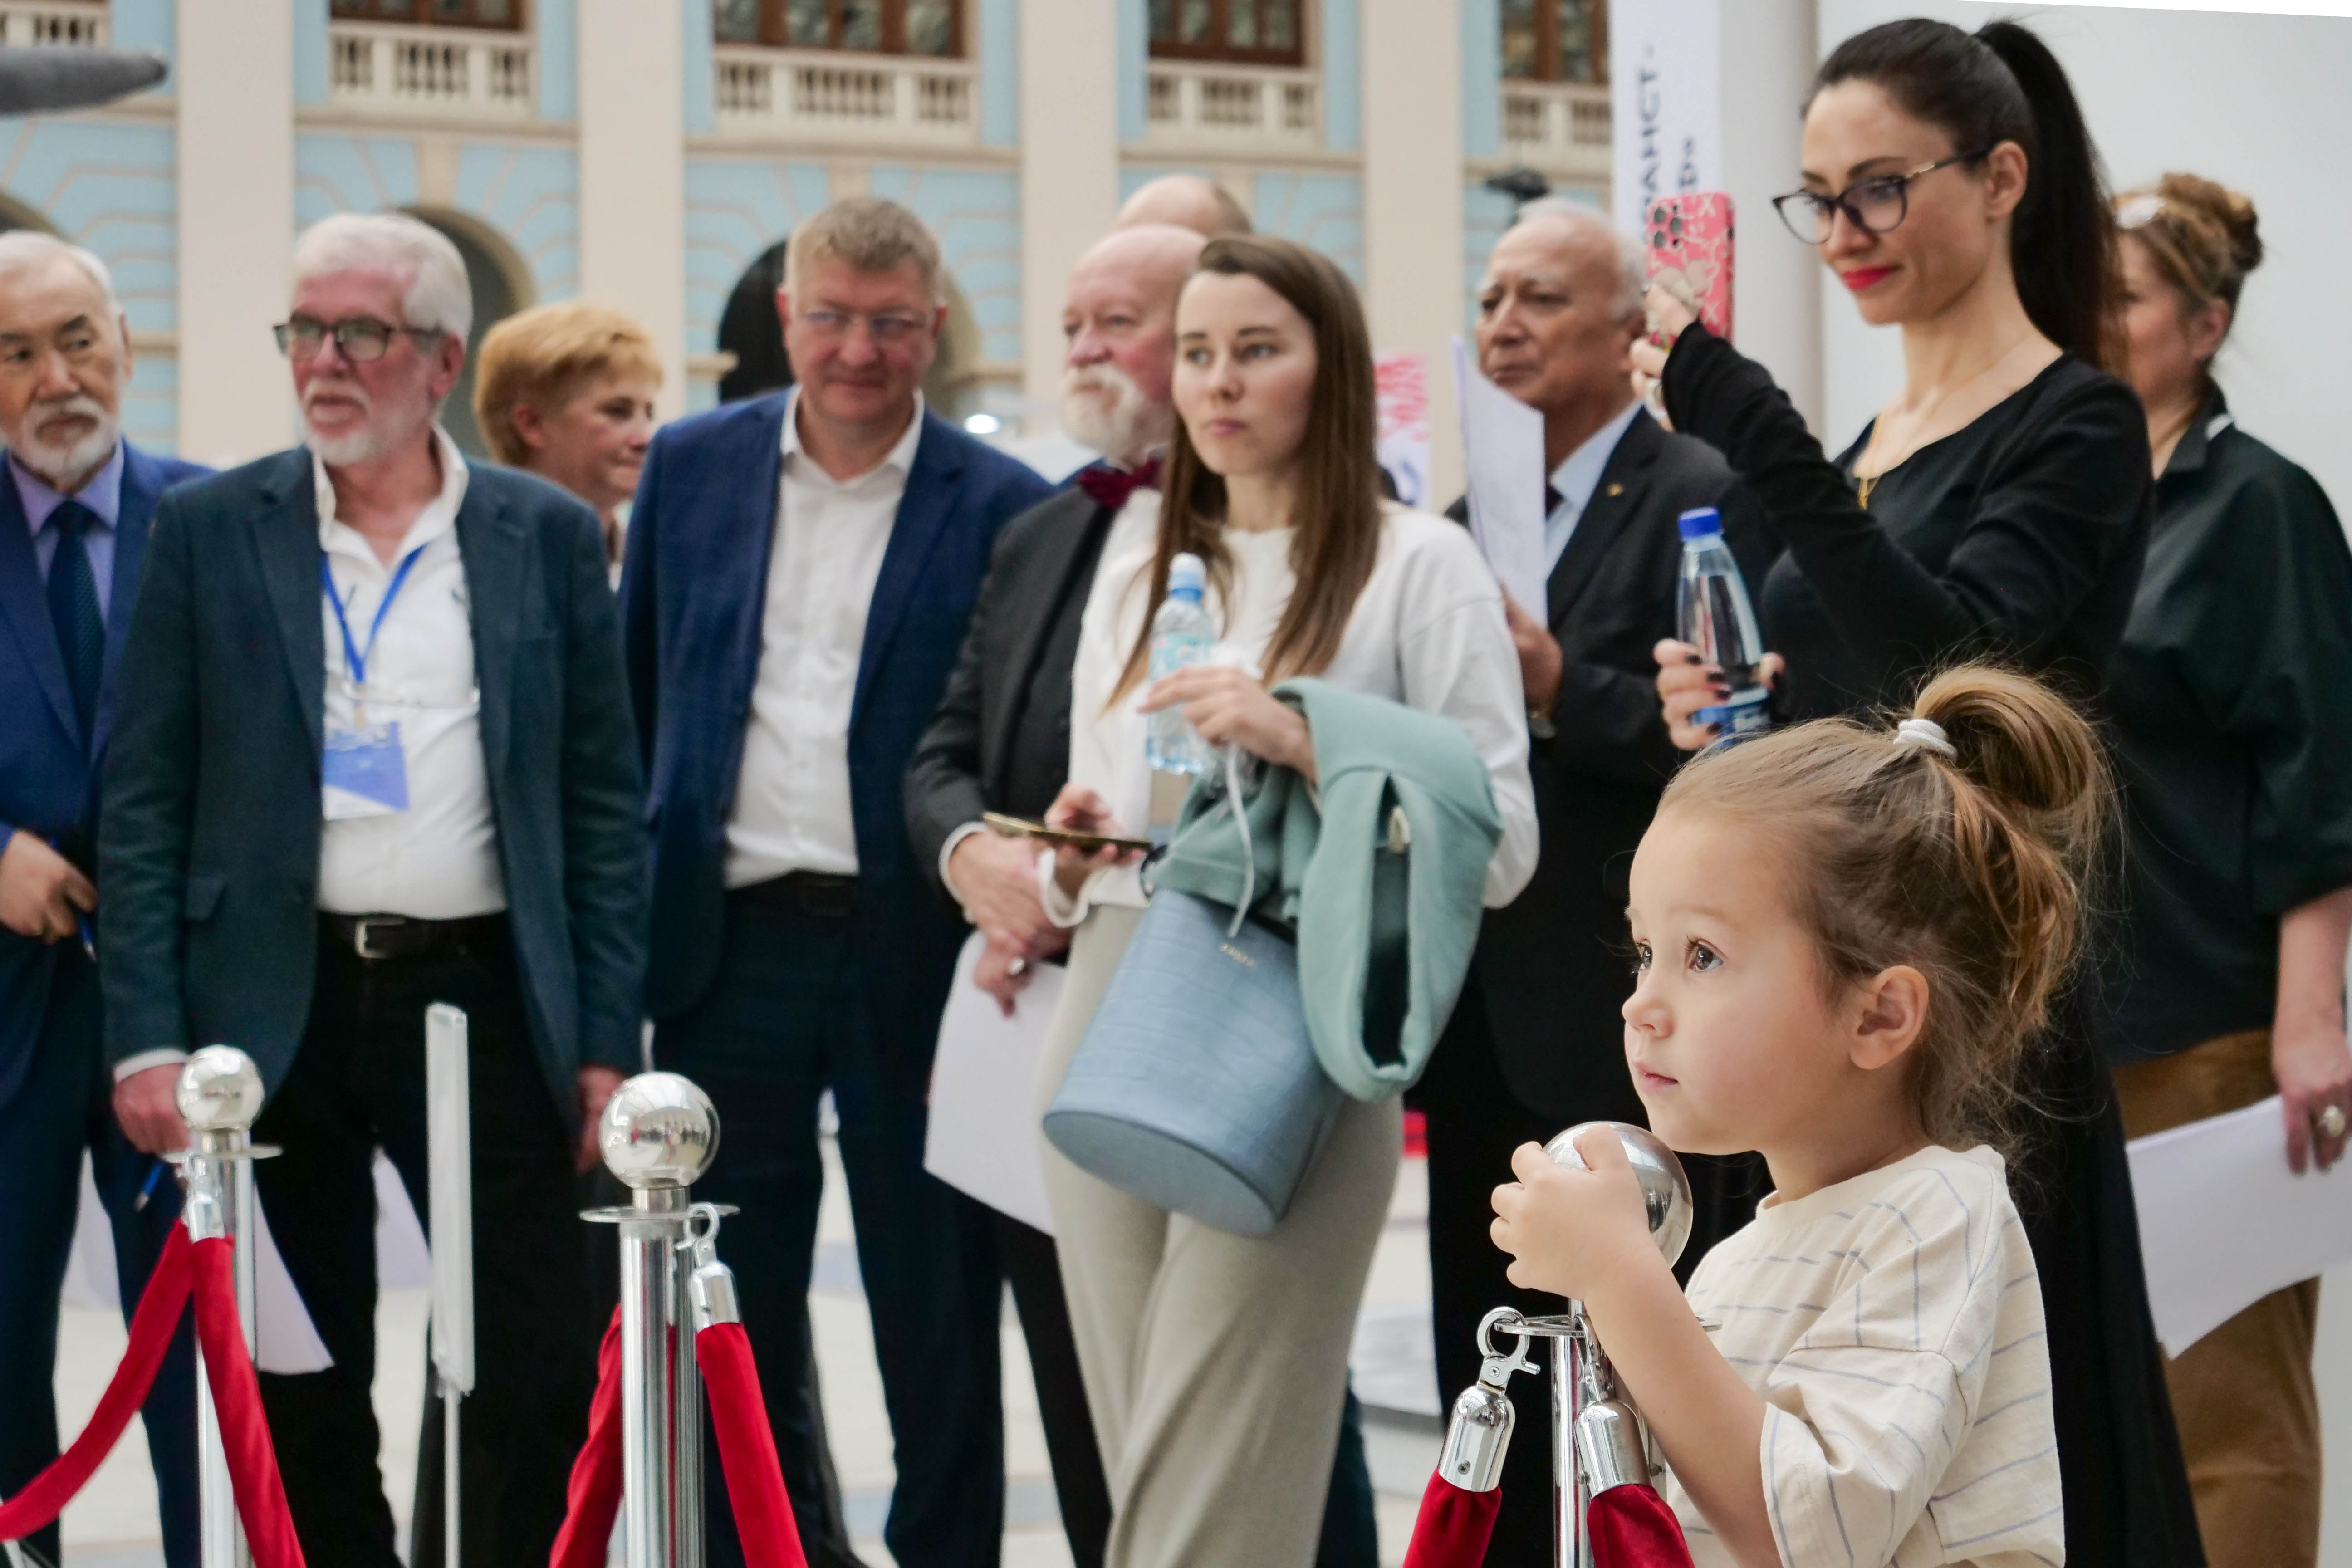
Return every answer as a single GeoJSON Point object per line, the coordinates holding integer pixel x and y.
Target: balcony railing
{"type": "Point", "coordinates": [67, 25]}
{"type": "Point", "coordinates": [1232, 106]}
{"type": "Point", "coordinates": [835, 97]}
{"type": "Point", "coordinates": [1557, 127]}
{"type": "Point", "coordinates": [430, 71]}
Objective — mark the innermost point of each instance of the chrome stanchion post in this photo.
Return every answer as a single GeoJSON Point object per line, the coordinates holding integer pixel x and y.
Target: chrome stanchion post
{"type": "Point", "coordinates": [659, 1134]}
{"type": "Point", "coordinates": [219, 1095]}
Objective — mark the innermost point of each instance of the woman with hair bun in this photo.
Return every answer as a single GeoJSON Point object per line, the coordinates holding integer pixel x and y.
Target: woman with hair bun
{"type": "Point", "coordinates": [1997, 508]}
{"type": "Point", "coordinates": [2228, 688]}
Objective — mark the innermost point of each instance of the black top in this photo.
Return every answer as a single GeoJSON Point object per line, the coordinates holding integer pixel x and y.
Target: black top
{"type": "Point", "coordinates": [2018, 537]}
{"type": "Point", "coordinates": [2239, 785]}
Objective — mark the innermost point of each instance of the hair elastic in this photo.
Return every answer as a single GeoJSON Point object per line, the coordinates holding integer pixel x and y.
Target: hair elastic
{"type": "Point", "coordinates": [1926, 734]}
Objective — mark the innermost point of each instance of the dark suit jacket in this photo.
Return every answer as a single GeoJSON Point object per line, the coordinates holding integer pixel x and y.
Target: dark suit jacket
{"type": "Point", "coordinates": [1553, 964]}
{"type": "Point", "coordinates": [693, 597]}
{"type": "Point", "coordinates": [208, 849]}
{"type": "Point", "coordinates": [49, 769]}
{"type": "Point", "coordinates": [985, 731]}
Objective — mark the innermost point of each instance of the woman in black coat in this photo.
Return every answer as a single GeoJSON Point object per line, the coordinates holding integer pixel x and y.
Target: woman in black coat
{"type": "Point", "coordinates": [1998, 507]}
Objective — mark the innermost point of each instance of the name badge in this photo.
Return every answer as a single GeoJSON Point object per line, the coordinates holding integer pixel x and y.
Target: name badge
{"type": "Point", "coordinates": [363, 773]}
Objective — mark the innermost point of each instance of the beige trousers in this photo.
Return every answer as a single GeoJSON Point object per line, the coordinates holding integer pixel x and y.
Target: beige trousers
{"type": "Point", "coordinates": [2244, 1395]}
{"type": "Point", "coordinates": [1215, 1364]}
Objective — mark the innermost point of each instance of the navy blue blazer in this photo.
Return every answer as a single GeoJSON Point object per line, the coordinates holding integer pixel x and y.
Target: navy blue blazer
{"type": "Point", "coordinates": [49, 768]}
{"type": "Point", "coordinates": [208, 846]}
{"type": "Point", "coordinates": [693, 597]}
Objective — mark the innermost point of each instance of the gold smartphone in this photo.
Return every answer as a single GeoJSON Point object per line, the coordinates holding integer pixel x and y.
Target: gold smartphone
{"type": "Point", "coordinates": [1060, 837]}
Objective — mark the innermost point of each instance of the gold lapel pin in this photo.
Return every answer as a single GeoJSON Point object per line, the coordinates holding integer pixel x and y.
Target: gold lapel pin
{"type": "Point", "coordinates": [1615, 490]}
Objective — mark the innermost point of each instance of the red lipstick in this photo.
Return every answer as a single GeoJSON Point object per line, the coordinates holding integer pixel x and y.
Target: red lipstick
{"type": "Point", "coordinates": [1862, 278]}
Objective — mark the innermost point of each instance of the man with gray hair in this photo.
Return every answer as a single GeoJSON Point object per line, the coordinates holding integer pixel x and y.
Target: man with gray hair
{"type": "Point", "coordinates": [1535, 1043]}
{"type": "Point", "coordinates": [372, 751]}
{"type": "Point", "coordinates": [74, 515]}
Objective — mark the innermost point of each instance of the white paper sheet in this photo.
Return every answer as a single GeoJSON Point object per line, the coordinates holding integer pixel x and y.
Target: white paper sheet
{"type": "Point", "coordinates": [2223, 1222]}
{"type": "Point", "coordinates": [983, 1124]}
{"type": "Point", "coordinates": [450, 1152]}
{"type": "Point", "coordinates": [1503, 462]}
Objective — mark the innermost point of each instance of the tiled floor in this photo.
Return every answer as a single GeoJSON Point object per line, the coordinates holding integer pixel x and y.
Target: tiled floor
{"type": "Point", "coordinates": [112, 1525]}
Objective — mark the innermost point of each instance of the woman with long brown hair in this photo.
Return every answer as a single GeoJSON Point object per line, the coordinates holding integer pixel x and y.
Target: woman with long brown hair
{"type": "Point", "coordinates": [1215, 1363]}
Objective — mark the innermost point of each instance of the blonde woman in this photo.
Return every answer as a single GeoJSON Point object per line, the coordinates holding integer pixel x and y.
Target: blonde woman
{"type": "Point", "coordinates": [566, 392]}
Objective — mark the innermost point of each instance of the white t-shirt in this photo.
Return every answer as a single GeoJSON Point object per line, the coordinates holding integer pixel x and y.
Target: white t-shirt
{"type": "Point", "coordinates": [1427, 631]}
{"type": "Point", "coordinates": [1893, 1325]}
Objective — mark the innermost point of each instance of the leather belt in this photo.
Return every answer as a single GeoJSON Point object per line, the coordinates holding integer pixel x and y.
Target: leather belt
{"type": "Point", "coordinates": [379, 937]}
{"type": "Point", "coordinates": [803, 892]}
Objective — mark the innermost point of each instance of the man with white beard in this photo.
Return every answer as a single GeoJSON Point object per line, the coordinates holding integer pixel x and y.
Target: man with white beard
{"type": "Point", "coordinates": [1001, 742]}
{"type": "Point", "coordinates": [373, 750]}
{"type": "Point", "coordinates": [74, 515]}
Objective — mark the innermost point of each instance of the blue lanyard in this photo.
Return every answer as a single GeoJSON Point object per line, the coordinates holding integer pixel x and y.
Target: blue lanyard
{"type": "Point", "coordinates": [355, 659]}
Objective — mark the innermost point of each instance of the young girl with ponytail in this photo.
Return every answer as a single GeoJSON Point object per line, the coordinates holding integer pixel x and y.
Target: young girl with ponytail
{"type": "Point", "coordinates": [1848, 936]}
{"type": "Point", "coordinates": [1998, 506]}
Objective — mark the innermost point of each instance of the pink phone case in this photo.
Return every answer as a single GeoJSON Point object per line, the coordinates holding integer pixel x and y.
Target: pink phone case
{"type": "Point", "coordinates": [1690, 251]}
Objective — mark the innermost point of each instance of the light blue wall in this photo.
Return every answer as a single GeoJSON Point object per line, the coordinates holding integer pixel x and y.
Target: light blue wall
{"type": "Point", "coordinates": [112, 188]}
{"type": "Point", "coordinates": [557, 58]}
{"type": "Point", "coordinates": [695, 61]}
{"type": "Point", "coordinates": [976, 213]}
{"type": "Point", "coordinates": [1134, 58]}
{"type": "Point", "coordinates": [529, 195]}
{"type": "Point", "coordinates": [1482, 78]}
{"type": "Point", "coordinates": [1343, 57]}
{"type": "Point", "coordinates": [736, 208]}
{"type": "Point", "coordinates": [1485, 216]}
{"type": "Point", "coordinates": [1325, 211]}
{"type": "Point", "coordinates": [150, 24]}
{"type": "Point", "coordinates": [310, 84]}
{"type": "Point", "coordinates": [997, 45]}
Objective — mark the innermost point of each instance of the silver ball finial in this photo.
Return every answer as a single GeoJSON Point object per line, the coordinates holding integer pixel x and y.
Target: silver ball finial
{"type": "Point", "coordinates": [659, 1130]}
{"type": "Point", "coordinates": [219, 1091]}
{"type": "Point", "coordinates": [1665, 1188]}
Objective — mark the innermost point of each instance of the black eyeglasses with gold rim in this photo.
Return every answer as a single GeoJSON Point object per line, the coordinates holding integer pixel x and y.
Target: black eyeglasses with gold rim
{"type": "Point", "coordinates": [359, 339]}
{"type": "Point", "coordinates": [1876, 205]}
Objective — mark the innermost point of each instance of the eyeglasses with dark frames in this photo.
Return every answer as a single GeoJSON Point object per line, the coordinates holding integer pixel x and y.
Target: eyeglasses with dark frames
{"type": "Point", "coordinates": [1876, 205]}
{"type": "Point", "coordinates": [360, 338]}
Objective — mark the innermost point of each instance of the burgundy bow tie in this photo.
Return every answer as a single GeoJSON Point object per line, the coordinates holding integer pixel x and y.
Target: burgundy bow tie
{"type": "Point", "coordinates": [1110, 486]}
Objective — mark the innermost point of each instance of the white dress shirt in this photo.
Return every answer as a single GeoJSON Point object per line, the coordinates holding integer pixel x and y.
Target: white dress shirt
{"type": "Point", "coordinates": [792, 810]}
{"type": "Point", "coordinates": [439, 858]}
{"type": "Point", "coordinates": [1578, 476]}
{"type": "Point", "coordinates": [1427, 631]}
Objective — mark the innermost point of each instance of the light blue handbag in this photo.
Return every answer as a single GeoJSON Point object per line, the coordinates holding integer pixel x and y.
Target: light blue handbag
{"type": "Point", "coordinates": [1196, 1088]}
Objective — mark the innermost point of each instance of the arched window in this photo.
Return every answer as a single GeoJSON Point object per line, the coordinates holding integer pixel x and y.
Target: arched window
{"type": "Point", "coordinates": [500, 286]}
{"type": "Point", "coordinates": [867, 27]}
{"type": "Point", "coordinates": [1556, 40]}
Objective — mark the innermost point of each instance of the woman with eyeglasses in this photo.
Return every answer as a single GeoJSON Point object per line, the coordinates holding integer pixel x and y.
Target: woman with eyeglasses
{"type": "Point", "coordinates": [1997, 508]}
{"type": "Point", "coordinates": [2228, 985]}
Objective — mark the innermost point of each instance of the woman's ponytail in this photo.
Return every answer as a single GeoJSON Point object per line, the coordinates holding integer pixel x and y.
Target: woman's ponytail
{"type": "Point", "coordinates": [2002, 84]}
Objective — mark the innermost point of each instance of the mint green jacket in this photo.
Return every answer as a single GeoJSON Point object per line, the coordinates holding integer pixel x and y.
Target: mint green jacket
{"type": "Point", "coordinates": [1380, 869]}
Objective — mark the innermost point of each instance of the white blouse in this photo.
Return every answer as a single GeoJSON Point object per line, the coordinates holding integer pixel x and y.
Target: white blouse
{"type": "Point", "coordinates": [1427, 631]}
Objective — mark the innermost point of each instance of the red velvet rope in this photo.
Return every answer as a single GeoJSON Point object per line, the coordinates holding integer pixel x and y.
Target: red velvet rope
{"type": "Point", "coordinates": [747, 1449]}
{"type": "Point", "coordinates": [45, 1495]}
{"type": "Point", "coordinates": [1454, 1526]}
{"type": "Point", "coordinates": [236, 1397]}
{"type": "Point", "coordinates": [596, 1489]}
{"type": "Point", "coordinates": [1632, 1527]}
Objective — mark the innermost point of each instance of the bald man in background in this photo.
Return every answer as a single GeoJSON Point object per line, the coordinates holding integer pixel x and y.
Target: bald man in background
{"type": "Point", "coordinates": [1001, 742]}
{"type": "Point", "coordinates": [1186, 201]}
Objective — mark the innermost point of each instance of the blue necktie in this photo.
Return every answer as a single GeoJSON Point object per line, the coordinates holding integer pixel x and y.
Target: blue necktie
{"type": "Point", "coordinates": [73, 609]}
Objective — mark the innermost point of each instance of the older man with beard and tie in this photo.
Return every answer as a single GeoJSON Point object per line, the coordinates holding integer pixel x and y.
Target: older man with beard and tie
{"type": "Point", "coordinates": [372, 751]}
{"type": "Point", "coordinates": [78, 501]}
{"type": "Point", "coordinates": [1001, 742]}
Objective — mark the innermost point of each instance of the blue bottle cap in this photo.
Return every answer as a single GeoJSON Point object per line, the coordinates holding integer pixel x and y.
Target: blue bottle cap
{"type": "Point", "coordinates": [1700, 522]}
{"type": "Point", "coordinates": [1187, 575]}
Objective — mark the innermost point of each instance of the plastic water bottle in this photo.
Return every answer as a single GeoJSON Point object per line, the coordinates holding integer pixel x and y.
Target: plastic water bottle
{"type": "Point", "coordinates": [1718, 620]}
{"type": "Point", "coordinates": [1181, 635]}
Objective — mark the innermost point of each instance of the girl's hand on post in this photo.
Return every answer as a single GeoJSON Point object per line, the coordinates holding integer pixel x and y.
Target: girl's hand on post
{"type": "Point", "coordinates": [1575, 1233]}
{"type": "Point", "coordinates": [1229, 708]}
{"type": "Point", "coordinates": [1668, 316]}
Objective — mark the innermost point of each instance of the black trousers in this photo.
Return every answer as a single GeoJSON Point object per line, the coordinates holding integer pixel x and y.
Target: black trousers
{"type": "Point", "coordinates": [358, 1083]}
{"type": "Point", "coordinates": [1473, 1124]}
{"type": "Point", "coordinates": [64, 1106]}
{"type": "Point", "coordinates": [785, 1019]}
